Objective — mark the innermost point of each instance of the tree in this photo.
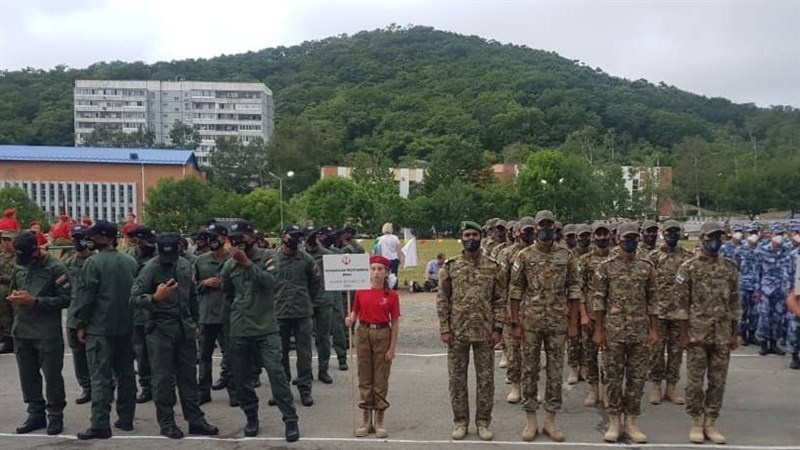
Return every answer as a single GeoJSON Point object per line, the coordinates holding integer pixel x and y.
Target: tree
{"type": "Point", "coordinates": [329, 201]}
{"type": "Point", "coordinates": [748, 193]}
{"type": "Point", "coordinates": [262, 208]}
{"type": "Point", "coordinates": [452, 159]}
{"type": "Point", "coordinates": [240, 167]}
{"type": "Point", "coordinates": [178, 205]}
{"type": "Point", "coordinates": [27, 209]}
{"type": "Point", "coordinates": [106, 137]}
{"type": "Point", "coordinates": [184, 136]}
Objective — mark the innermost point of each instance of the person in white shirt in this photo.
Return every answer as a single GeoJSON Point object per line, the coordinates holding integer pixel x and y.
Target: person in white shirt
{"type": "Point", "coordinates": [389, 246]}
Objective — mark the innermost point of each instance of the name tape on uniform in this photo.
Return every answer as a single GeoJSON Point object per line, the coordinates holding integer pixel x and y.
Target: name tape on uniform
{"type": "Point", "coordinates": [346, 272]}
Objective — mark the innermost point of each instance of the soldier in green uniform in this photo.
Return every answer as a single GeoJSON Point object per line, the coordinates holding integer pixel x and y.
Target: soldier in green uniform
{"type": "Point", "coordinates": [39, 291]}
{"type": "Point", "coordinates": [201, 243]}
{"type": "Point", "coordinates": [338, 328]}
{"type": "Point", "coordinates": [667, 260]}
{"type": "Point", "coordinates": [626, 325]}
{"type": "Point", "coordinates": [471, 309]}
{"type": "Point", "coordinates": [185, 253]}
{"type": "Point", "coordinates": [707, 295]}
{"type": "Point", "coordinates": [166, 289]}
{"type": "Point", "coordinates": [348, 241]}
{"type": "Point", "coordinates": [586, 265]}
{"type": "Point", "coordinates": [323, 306]}
{"type": "Point", "coordinates": [298, 285]}
{"type": "Point", "coordinates": [6, 271]}
{"type": "Point", "coordinates": [74, 265]}
{"type": "Point", "coordinates": [211, 316]}
{"type": "Point", "coordinates": [544, 291]}
{"type": "Point", "coordinates": [249, 289]}
{"type": "Point", "coordinates": [142, 247]}
{"type": "Point", "coordinates": [104, 322]}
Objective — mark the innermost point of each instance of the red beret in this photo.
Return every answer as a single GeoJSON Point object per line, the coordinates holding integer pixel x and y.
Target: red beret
{"type": "Point", "coordinates": [380, 260]}
{"type": "Point", "coordinates": [33, 222]}
{"type": "Point", "coordinates": [9, 212]}
{"type": "Point", "coordinates": [87, 220]}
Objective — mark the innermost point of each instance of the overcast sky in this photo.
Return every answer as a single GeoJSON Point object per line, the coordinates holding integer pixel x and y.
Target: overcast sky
{"type": "Point", "coordinates": [744, 51]}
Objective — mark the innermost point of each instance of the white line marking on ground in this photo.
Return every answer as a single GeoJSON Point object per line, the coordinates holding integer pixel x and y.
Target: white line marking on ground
{"type": "Point", "coordinates": [441, 355]}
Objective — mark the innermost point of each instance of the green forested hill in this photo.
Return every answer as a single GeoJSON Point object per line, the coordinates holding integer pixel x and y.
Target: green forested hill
{"type": "Point", "coordinates": [403, 93]}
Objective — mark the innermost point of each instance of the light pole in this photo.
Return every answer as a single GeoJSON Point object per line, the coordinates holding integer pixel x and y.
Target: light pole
{"type": "Point", "coordinates": [289, 174]}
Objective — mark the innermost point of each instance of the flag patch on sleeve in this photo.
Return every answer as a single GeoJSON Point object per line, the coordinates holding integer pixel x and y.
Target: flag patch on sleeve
{"type": "Point", "coordinates": [680, 278]}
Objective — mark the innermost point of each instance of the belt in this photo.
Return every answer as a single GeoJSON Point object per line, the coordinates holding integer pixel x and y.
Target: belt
{"type": "Point", "coordinates": [373, 326]}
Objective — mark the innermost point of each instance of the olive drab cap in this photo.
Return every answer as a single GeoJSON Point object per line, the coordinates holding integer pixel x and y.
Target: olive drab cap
{"type": "Point", "coordinates": [583, 229]}
{"type": "Point", "coordinates": [599, 225]}
{"type": "Point", "coordinates": [670, 224]}
{"type": "Point", "coordinates": [649, 224]}
{"type": "Point", "coordinates": [628, 228]}
{"type": "Point", "coordinates": [544, 215]}
{"type": "Point", "coordinates": [240, 227]}
{"type": "Point", "coordinates": [711, 227]}
{"type": "Point", "coordinates": [469, 225]}
{"type": "Point", "coordinates": [526, 222]}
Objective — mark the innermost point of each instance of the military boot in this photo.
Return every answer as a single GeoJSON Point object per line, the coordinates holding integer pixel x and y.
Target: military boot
{"type": "Point", "coordinates": [459, 432]}
{"type": "Point", "coordinates": [656, 395]}
{"type": "Point", "coordinates": [531, 426]}
{"type": "Point", "coordinates": [591, 399]}
{"type": "Point", "coordinates": [775, 349]}
{"type": "Point", "coordinates": [764, 349]}
{"type": "Point", "coordinates": [366, 424]}
{"type": "Point", "coordinates": [380, 430]}
{"type": "Point", "coordinates": [744, 339]}
{"type": "Point", "coordinates": [612, 434]}
{"type": "Point", "coordinates": [251, 427]}
{"type": "Point", "coordinates": [6, 345]}
{"type": "Point", "coordinates": [514, 396]}
{"type": "Point", "coordinates": [711, 431]}
{"type": "Point", "coordinates": [632, 430]}
{"type": "Point", "coordinates": [672, 395]}
{"type": "Point", "coordinates": [696, 435]}
{"type": "Point", "coordinates": [795, 364]}
{"type": "Point", "coordinates": [485, 433]}
{"type": "Point", "coordinates": [551, 429]}
{"type": "Point", "coordinates": [503, 361]}
{"type": "Point", "coordinates": [572, 378]}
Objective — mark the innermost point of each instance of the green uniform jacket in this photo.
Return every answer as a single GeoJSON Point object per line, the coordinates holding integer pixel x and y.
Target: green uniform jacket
{"type": "Point", "coordinates": [74, 266]}
{"type": "Point", "coordinates": [177, 315]}
{"type": "Point", "coordinates": [323, 298]}
{"type": "Point", "coordinates": [250, 293]}
{"type": "Point", "coordinates": [298, 284]}
{"type": "Point", "coordinates": [43, 319]}
{"type": "Point", "coordinates": [353, 247]}
{"type": "Point", "coordinates": [103, 307]}
{"type": "Point", "coordinates": [139, 315]}
{"type": "Point", "coordinates": [212, 300]}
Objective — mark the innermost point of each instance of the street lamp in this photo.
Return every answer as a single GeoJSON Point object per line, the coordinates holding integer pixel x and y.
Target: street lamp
{"type": "Point", "coordinates": [289, 174]}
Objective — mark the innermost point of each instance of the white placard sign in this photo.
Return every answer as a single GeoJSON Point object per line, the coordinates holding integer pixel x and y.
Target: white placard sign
{"type": "Point", "coordinates": [347, 272]}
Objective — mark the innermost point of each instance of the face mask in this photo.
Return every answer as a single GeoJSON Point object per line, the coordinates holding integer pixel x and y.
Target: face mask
{"type": "Point", "coordinates": [80, 244]}
{"type": "Point", "coordinates": [583, 243]}
{"type": "Point", "coordinates": [24, 258]}
{"type": "Point", "coordinates": [292, 243]}
{"type": "Point", "coordinates": [649, 239]}
{"type": "Point", "coordinates": [546, 234]}
{"type": "Point", "coordinates": [214, 245]}
{"type": "Point", "coordinates": [753, 238]}
{"type": "Point", "coordinates": [471, 245]}
{"type": "Point", "coordinates": [147, 249]}
{"type": "Point", "coordinates": [629, 245]}
{"type": "Point", "coordinates": [713, 245]}
{"type": "Point", "coordinates": [528, 237]}
{"type": "Point", "coordinates": [777, 239]}
{"type": "Point", "coordinates": [571, 242]}
{"type": "Point", "coordinates": [737, 236]}
{"type": "Point", "coordinates": [602, 243]}
{"type": "Point", "coordinates": [501, 235]}
{"type": "Point", "coordinates": [672, 239]}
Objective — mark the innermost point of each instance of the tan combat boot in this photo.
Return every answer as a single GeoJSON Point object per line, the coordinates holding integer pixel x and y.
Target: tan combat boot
{"type": "Point", "coordinates": [573, 375]}
{"type": "Point", "coordinates": [551, 429]}
{"type": "Point", "coordinates": [591, 399]}
{"type": "Point", "coordinates": [612, 434]}
{"type": "Point", "coordinates": [380, 430]}
{"type": "Point", "coordinates": [366, 424]}
{"type": "Point", "coordinates": [711, 431]}
{"type": "Point", "coordinates": [672, 395]}
{"type": "Point", "coordinates": [503, 361]}
{"type": "Point", "coordinates": [531, 426]}
{"type": "Point", "coordinates": [485, 433]}
{"type": "Point", "coordinates": [584, 373]}
{"type": "Point", "coordinates": [696, 435]}
{"type": "Point", "coordinates": [515, 395]}
{"type": "Point", "coordinates": [656, 395]}
{"type": "Point", "coordinates": [632, 430]}
{"type": "Point", "coordinates": [460, 431]}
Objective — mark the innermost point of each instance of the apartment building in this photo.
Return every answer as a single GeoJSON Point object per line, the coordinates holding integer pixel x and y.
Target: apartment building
{"type": "Point", "coordinates": [215, 109]}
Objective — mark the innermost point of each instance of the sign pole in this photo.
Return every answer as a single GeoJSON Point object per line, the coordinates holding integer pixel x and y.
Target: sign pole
{"type": "Point", "coordinates": [353, 365]}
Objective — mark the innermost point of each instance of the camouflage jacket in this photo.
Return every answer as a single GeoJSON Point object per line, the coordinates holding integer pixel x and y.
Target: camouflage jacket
{"type": "Point", "coordinates": [667, 262]}
{"type": "Point", "coordinates": [505, 259]}
{"type": "Point", "coordinates": [6, 271]}
{"type": "Point", "coordinates": [470, 302]}
{"type": "Point", "coordinates": [585, 266]}
{"type": "Point", "coordinates": [707, 292]}
{"type": "Point", "coordinates": [544, 281]}
{"type": "Point", "coordinates": [625, 290]}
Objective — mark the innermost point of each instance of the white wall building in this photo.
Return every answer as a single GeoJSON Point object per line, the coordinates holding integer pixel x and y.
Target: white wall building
{"type": "Point", "coordinates": [215, 109]}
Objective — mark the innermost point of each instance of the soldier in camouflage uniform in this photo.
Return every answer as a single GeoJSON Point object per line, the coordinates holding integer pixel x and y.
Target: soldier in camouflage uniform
{"type": "Point", "coordinates": [649, 239]}
{"type": "Point", "coordinates": [624, 308]}
{"type": "Point", "coordinates": [6, 270]}
{"type": "Point", "coordinates": [586, 266]}
{"type": "Point", "coordinates": [471, 310]}
{"type": "Point", "coordinates": [524, 234]}
{"type": "Point", "coordinates": [748, 262]}
{"type": "Point", "coordinates": [584, 234]}
{"type": "Point", "coordinates": [574, 346]}
{"type": "Point", "coordinates": [543, 289]}
{"type": "Point", "coordinates": [500, 238]}
{"type": "Point", "coordinates": [571, 237]}
{"type": "Point", "coordinates": [707, 293]}
{"type": "Point", "coordinates": [667, 260]}
{"type": "Point", "coordinates": [775, 265]}
{"type": "Point", "coordinates": [488, 231]}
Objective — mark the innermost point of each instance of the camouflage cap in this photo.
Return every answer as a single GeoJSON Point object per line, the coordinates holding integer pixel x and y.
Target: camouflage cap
{"type": "Point", "coordinates": [583, 229]}
{"type": "Point", "coordinates": [559, 226]}
{"type": "Point", "coordinates": [737, 227]}
{"type": "Point", "coordinates": [628, 228]}
{"type": "Point", "coordinates": [711, 227]}
{"type": "Point", "coordinates": [612, 226]}
{"type": "Point", "coordinates": [570, 229]}
{"type": "Point", "coordinates": [490, 223]}
{"type": "Point", "coordinates": [512, 224]}
{"type": "Point", "coordinates": [469, 225]}
{"type": "Point", "coordinates": [8, 234]}
{"type": "Point", "coordinates": [544, 215]}
{"type": "Point", "coordinates": [526, 222]}
{"type": "Point", "coordinates": [501, 223]}
{"type": "Point", "coordinates": [649, 224]}
{"type": "Point", "coordinates": [753, 226]}
{"type": "Point", "coordinates": [600, 225]}
{"type": "Point", "coordinates": [670, 224]}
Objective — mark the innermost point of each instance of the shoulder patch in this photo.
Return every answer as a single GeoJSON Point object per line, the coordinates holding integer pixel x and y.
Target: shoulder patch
{"type": "Point", "coordinates": [681, 277]}
{"type": "Point", "coordinates": [517, 265]}
{"type": "Point", "coordinates": [599, 275]}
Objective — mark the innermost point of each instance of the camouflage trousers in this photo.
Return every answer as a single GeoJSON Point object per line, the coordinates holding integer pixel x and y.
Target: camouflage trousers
{"type": "Point", "coordinates": [6, 313]}
{"type": "Point", "coordinates": [666, 366]}
{"type": "Point", "coordinates": [514, 355]}
{"type": "Point", "coordinates": [771, 317]}
{"type": "Point", "coordinates": [793, 335]}
{"type": "Point", "coordinates": [749, 317]}
{"type": "Point", "coordinates": [457, 367]}
{"type": "Point", "coordinates": [625, 363]}
{"type": "Point", "coordinates": [590, 355]}
{"type": "Point", "coordinates": [532, 344]}
{"type": "Point", "coordinates": [575, 351]}
{"type": "Point", "coordinates": [706, 362]}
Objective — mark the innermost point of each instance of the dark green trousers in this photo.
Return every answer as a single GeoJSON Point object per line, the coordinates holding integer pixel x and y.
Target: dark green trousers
{"type": "Point", "coordinates": [301, 329]}
{"type": "Point", "coordinates": [111, 357]}
{"type": "Point", "coordinates": [142, 356]}
{"type": "Point", "coordinates": [37, 358]}
{"type": "Point", "coordinates": [210, 334]}
{"type": "Point", "coordinates": [322, 335]}
{"type": "Point", "coordinates": [79, 361]}
{"type": "Point", "coordinates": [339, 330]}
{"type": "Point", "coordinates": [269, 353]}
{"type": "Point", "coordinates": [173, 360]}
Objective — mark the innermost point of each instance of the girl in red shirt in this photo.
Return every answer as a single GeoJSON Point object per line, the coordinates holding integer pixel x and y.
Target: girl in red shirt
{"type": "Point", "coordinates": [377, 312]}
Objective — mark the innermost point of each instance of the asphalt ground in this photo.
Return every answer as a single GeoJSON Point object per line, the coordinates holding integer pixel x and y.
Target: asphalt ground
{"type": "Point", "coordinates": [761, 408]}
